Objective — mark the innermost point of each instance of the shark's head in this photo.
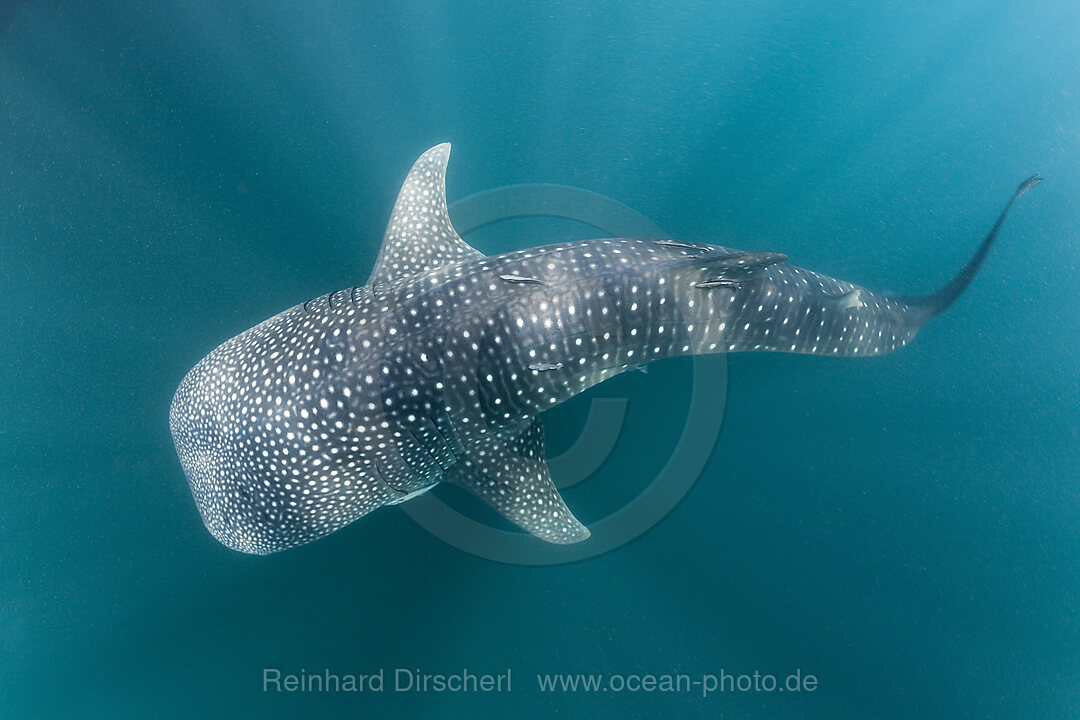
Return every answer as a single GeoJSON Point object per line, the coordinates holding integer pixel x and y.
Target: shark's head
{"type": "Point", "coordinates": [268, 467]}
{"type": "Point", "coordinates": [205, 432]}
{"type": "Point", "coordinates": [232, 457]}
{"type": "Point", "coordinates": [280, 445]}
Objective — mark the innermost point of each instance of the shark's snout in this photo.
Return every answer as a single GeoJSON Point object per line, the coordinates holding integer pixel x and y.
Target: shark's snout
{"type": "Point", "coordinates": [200, 425]}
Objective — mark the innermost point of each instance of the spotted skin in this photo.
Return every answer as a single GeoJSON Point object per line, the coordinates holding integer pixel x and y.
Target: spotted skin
{"type": "Point", "coordinates": [437, 369]}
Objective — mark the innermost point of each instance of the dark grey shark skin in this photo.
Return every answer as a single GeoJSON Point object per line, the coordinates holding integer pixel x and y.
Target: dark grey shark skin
{"type": "Point", "coordinates": [437, 369]}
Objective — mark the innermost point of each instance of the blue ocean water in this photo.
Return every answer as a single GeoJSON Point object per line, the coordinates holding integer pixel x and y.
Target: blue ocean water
{"type": "Point", "coordinates": [904, 528]}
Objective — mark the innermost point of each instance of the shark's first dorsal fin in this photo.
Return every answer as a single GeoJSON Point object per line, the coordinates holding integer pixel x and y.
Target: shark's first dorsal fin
{"type": "Point", "coordinates": [419, 236]}
{"type": "Point", "coordinates": [507, 471]}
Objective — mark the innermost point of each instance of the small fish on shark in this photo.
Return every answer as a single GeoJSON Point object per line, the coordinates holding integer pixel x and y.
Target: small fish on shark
{"type": "Point", "coordinates": [438, 368]}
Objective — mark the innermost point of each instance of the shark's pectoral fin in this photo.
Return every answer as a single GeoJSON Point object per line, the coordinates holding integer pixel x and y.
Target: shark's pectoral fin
{"type": "Point", "coordinates": [735, 268]}
{"type": "Point", "coordinates": [508, 472]}
{"type": "Point", "coordinates": [419, 236]}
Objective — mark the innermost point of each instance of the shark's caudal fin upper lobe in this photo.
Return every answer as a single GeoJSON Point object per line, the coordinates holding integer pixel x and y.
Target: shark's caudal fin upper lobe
{"type": "Point", "coordinates": [757, 302]}
{"type": "Point", "coordinates": [929, 306]}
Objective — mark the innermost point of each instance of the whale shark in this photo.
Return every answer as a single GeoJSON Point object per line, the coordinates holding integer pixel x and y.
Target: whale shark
{"type": "Point", "coordinates": [437, 369]}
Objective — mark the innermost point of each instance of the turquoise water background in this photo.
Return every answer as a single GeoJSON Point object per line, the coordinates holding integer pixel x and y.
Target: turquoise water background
{"type": "Point", "coordinates": [905, 528]}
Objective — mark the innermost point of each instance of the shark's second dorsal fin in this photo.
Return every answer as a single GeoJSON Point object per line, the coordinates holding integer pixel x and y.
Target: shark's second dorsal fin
{"type": "Point", "coordinates": [507, 471]}
{"type": "Point", "coordinates": [419, 236]}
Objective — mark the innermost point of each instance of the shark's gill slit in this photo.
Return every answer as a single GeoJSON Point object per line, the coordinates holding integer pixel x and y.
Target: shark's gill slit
{"type": "Point", "coordinates": [385, 478]}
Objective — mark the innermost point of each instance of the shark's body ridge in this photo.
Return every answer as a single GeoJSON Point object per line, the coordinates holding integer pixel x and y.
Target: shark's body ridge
{"type": "Point", "coordinates": [437, 368]}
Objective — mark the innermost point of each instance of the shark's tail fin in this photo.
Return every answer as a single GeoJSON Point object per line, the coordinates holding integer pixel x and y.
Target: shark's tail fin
{"type": "Point", "coordinates": [926, 307]}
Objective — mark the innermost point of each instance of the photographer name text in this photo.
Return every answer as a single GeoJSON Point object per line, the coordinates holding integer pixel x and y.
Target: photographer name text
{"type": "Point", "coordinates": [275, 680]}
